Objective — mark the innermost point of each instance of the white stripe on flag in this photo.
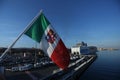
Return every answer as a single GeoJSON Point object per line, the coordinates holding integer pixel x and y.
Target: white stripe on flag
{"type": "Point", "coordinates": [47, 47]}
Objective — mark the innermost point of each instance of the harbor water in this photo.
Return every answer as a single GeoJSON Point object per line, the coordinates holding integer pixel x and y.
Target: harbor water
{"type": "Point", "coordinates": [105, 67]}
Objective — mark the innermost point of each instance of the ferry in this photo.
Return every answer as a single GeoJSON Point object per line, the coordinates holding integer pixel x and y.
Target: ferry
{"type": "Point", "coordinates": [83, 49]}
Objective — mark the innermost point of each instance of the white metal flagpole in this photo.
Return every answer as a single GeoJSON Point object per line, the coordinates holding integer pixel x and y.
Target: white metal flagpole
{"type": "Point", "coordinates": [27, 27]}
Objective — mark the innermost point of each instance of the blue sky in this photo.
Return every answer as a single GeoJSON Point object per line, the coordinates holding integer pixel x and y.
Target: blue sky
{"type": "Point", "coordinates": [96, 22]}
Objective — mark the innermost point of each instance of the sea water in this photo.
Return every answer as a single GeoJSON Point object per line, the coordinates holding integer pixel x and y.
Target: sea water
{"type": "Point", "coordinates": [105, 67]}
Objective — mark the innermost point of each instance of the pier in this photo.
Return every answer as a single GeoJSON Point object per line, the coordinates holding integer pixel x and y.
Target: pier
{"type": "Point", "coordinates": [22, 64]}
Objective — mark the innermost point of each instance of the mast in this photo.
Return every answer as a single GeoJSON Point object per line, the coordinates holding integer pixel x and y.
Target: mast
{"type": "Point", "coordinates": [27, 27]}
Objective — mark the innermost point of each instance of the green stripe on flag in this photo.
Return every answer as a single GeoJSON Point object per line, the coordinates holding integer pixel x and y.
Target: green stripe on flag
{"type": "Point", "coordinates": [37, 29]}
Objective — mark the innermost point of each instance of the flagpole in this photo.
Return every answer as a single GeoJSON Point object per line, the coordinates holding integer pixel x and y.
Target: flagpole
{"type": "Point", "coordinates": [27, 27]}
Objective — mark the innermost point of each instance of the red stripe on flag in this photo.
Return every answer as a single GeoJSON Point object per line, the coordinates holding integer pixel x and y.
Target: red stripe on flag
{"type": "Point", "coordinates": [61, 55]}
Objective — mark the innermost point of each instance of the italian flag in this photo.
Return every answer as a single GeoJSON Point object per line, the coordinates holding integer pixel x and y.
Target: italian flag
{"type": "Point", "coordinates": [50, 42]}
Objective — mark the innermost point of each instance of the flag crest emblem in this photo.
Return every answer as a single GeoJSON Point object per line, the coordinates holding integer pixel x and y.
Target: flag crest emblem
{"type": "Point", "coordinates": [51, 36]}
